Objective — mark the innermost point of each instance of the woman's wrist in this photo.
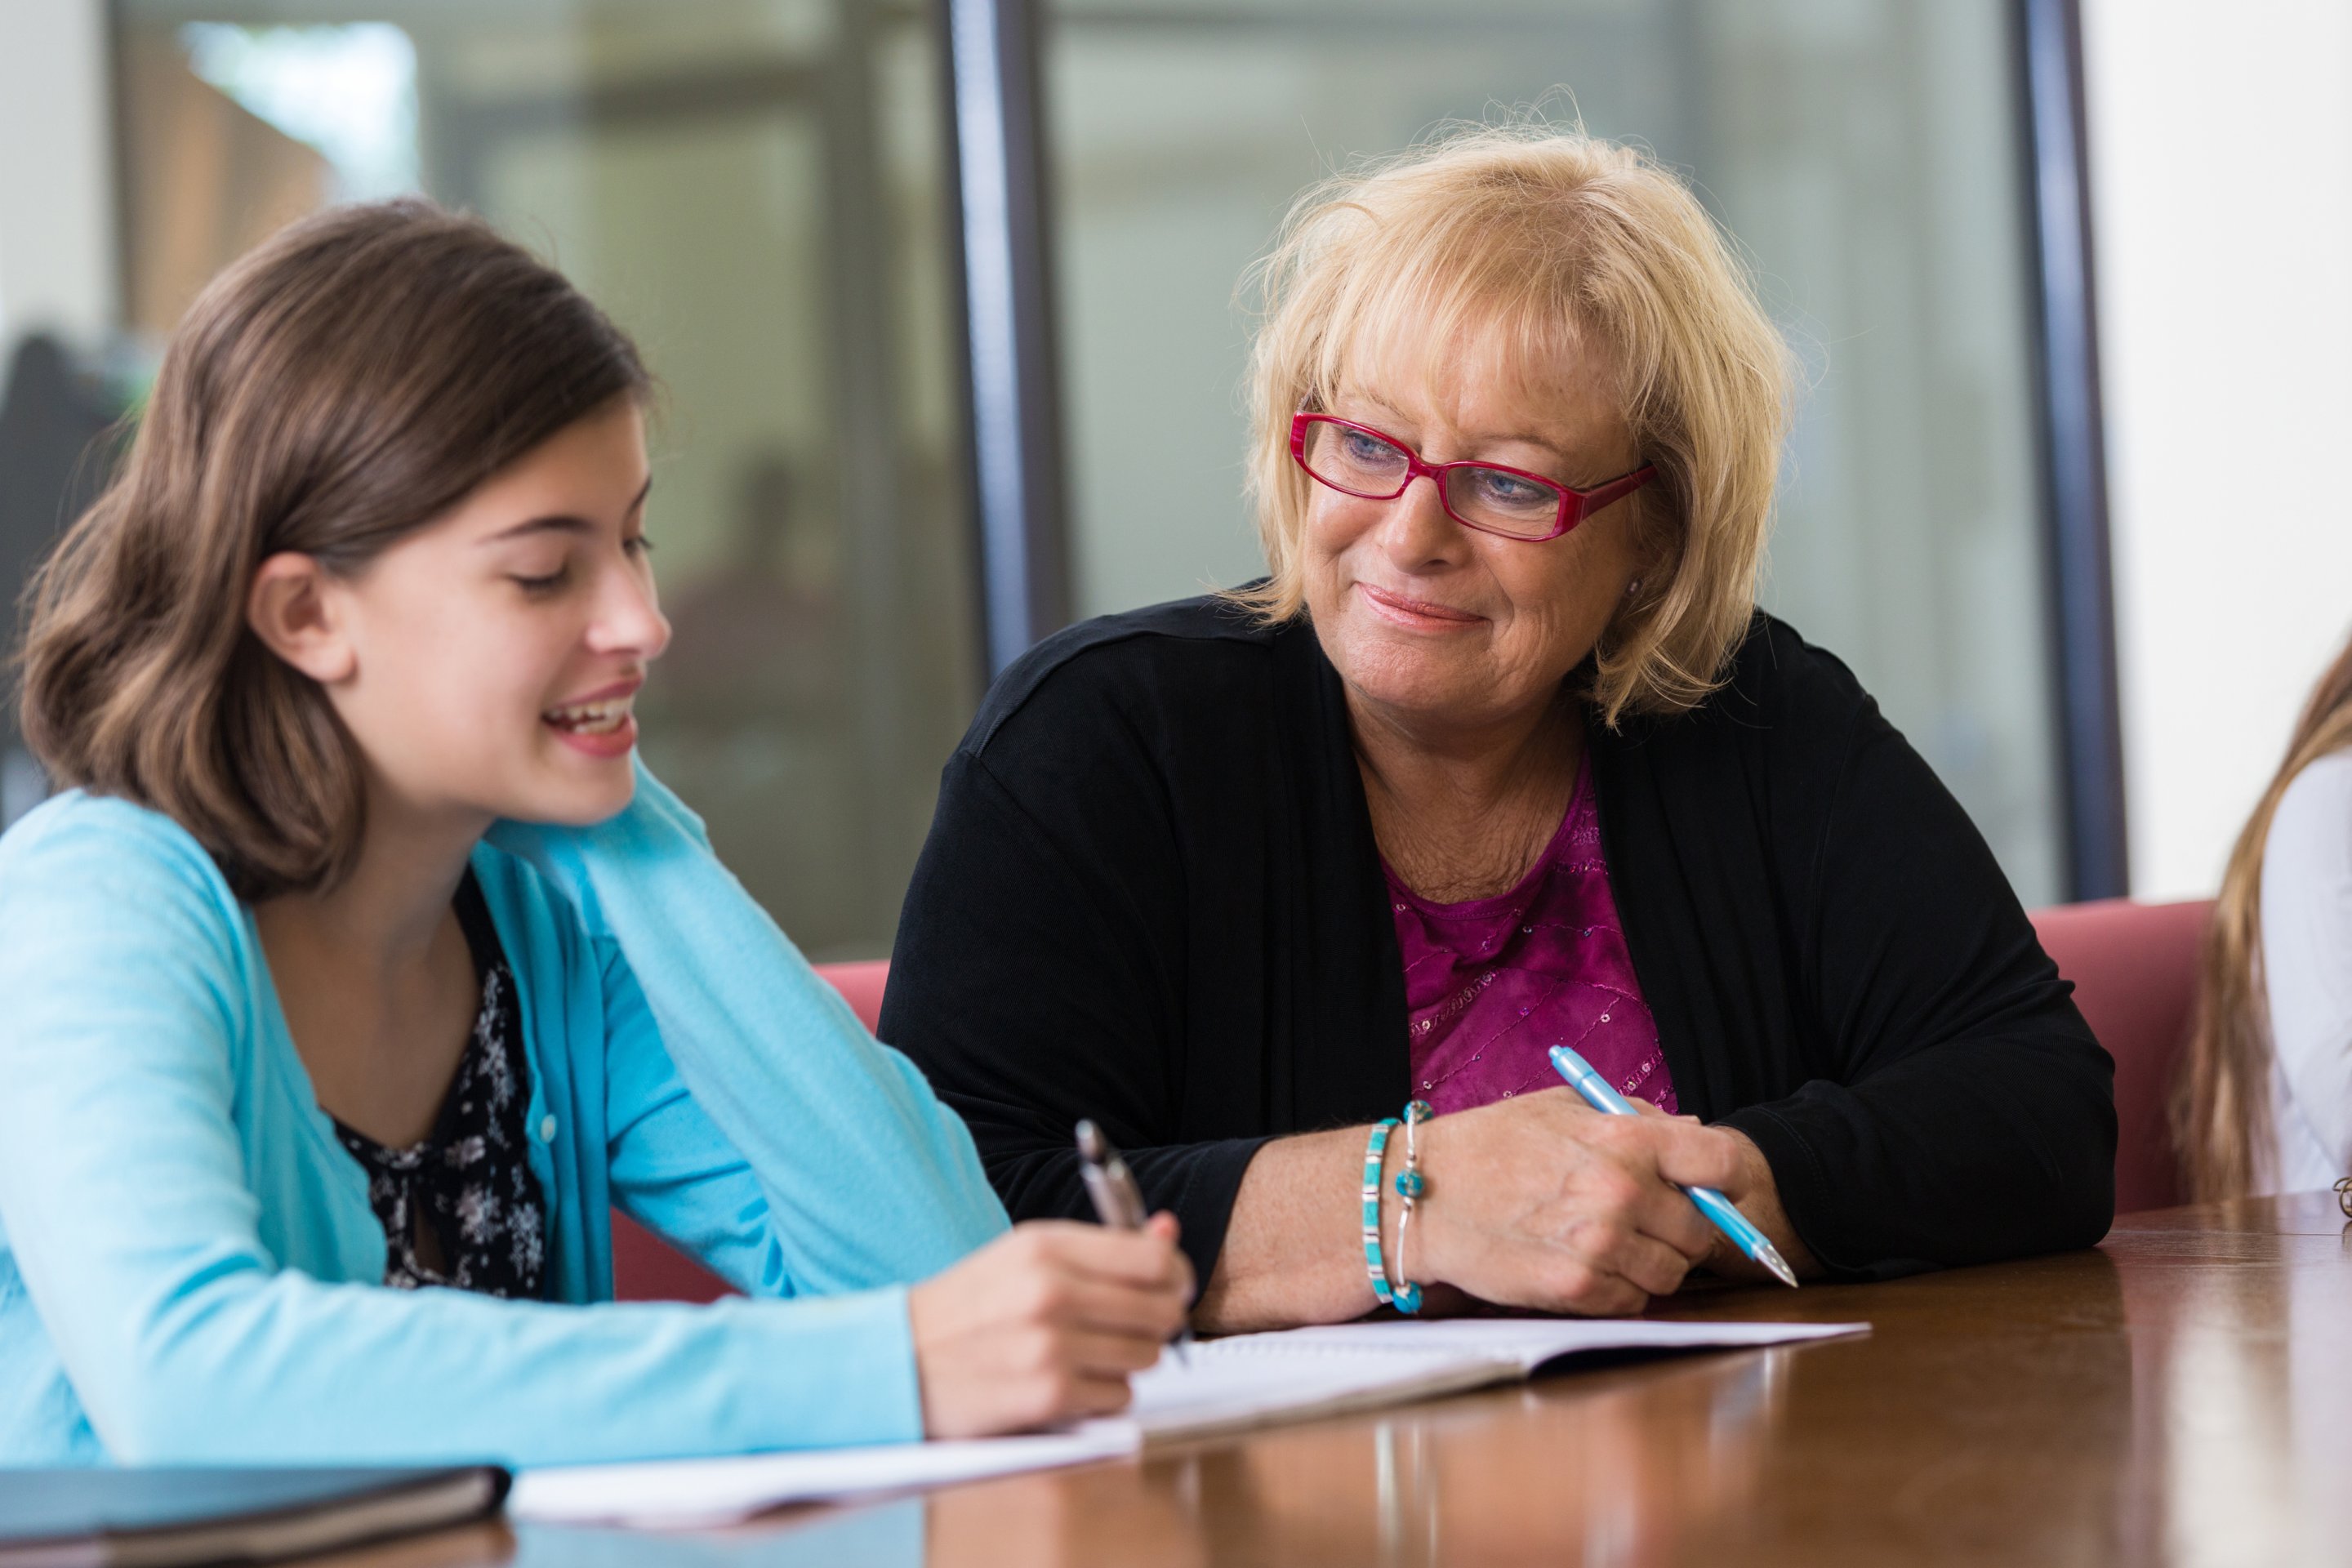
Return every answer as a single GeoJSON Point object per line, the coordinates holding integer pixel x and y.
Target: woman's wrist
{"type": "Point", "coordinates": [1394, 1197]}
{"type": "Point", "coordinates": [1401, 1254]}
{"type": "Point", "coordinates": [1410, 1187]}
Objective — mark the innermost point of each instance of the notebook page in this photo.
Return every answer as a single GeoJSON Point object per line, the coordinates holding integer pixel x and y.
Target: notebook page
{"type": "Point", "coordinates": [1530, 1342]}
{"type": "Point", "coordinates": [1252, 1380]}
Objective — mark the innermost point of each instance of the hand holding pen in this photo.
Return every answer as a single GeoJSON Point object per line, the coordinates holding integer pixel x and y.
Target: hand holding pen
{"type": "Point", "coordinates": [1119, 1202]}
{"type": "Point", "coordinates": [1046, 1324]}
{"type": "Point", "coordinates": [1719, 1210]}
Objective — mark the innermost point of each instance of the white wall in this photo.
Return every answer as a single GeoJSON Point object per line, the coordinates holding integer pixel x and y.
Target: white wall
{"type": "Point", "coordinates": [56, 171]}
{"type": "Point", "coordinates": [2222, 177]}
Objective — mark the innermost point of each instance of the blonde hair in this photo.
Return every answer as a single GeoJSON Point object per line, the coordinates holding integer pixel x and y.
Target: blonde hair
{"type": "Point", "coordinates": [2222, 1104]}
{"type": "Point", "coordinates": [1551, 240]}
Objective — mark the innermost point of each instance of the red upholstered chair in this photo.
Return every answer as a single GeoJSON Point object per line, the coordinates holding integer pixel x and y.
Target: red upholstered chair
{"type": "Point", "coordinates": [2134, 972]}
{"type": "Point", "coordinates": [647, 1268]}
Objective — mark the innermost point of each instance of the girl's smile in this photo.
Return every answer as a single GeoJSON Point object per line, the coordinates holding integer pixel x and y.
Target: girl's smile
{"type": "Point", "coordinates": [602, 723]}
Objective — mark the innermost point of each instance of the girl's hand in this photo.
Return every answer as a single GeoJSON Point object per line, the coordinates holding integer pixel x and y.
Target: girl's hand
{"type": "Point", "coordinates": [1540, 1202]}
{"type": "Point", "coordinates": [1046, 1324]}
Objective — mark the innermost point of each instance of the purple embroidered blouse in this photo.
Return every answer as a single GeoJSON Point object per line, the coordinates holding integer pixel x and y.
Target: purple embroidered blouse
{"type": "Point", "coordinates": [1492, 984]}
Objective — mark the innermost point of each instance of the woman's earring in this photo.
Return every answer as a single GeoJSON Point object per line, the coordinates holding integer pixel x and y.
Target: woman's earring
{"type": "Point", "coordinates": [1634, 587]}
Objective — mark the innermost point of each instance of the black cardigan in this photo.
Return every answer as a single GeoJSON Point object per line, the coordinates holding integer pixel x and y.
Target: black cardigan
{"type": "Point", "coordinates": [1152, 896]}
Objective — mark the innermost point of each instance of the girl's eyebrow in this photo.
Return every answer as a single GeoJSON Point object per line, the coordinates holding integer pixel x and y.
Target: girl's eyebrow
{"type": "Point", "coordinates": [564, 522]}
{"type": "Point", "coordinates": [560, 524]}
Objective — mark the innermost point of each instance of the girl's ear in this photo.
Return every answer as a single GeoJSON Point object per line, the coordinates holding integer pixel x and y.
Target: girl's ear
{"type": "Point", "coordinates": [291, 611]}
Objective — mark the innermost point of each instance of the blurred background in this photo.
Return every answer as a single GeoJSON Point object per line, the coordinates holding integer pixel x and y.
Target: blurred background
{"type": "Point", "coordinates": [942, 296]}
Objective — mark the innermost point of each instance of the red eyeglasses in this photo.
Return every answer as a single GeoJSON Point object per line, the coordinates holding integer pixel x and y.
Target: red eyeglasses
{"type": "Point", "coordinates": [1357, 460]}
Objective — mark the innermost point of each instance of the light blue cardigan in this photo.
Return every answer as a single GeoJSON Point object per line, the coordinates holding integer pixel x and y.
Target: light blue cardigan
{"type": "Point", "coordinates": [189, 1269]}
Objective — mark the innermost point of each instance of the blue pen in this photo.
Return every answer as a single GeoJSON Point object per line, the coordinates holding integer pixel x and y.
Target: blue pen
{"type": "Point", "coordinates": [1599, 1094]}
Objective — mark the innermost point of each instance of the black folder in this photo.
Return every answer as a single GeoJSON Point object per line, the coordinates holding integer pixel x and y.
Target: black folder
{"type": "Point", "coordinates": [170, 1518]}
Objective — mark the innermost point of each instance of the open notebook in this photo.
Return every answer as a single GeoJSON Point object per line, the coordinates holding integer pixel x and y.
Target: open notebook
{"type": "Point", "coordinates": [1248, 1380]}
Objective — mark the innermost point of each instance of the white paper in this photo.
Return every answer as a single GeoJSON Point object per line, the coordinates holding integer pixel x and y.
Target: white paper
{"type": "Point", "coordinates": [1252, 1380]}
{"type": "Point", "coordinates": [1532, 1341]}
{"type": "Point", "coordinates": [686, 1494]}
{"type": "Point", "coordinates": [1245, 1380]}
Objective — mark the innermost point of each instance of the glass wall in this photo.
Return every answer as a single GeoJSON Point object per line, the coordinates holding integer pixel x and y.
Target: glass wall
{"type": "Point", "coordinates": [1866, 153]}
{"type": "Point", "coordinates": [757, 189]}
{"type": "Point", "coordinates": [753, 189]}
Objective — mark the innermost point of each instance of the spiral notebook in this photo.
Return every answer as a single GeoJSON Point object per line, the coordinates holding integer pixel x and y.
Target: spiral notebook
{"type": "Point", "coordinates": [1228, 1386]}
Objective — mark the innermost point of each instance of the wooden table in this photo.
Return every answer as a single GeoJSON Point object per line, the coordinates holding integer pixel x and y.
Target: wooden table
{"type": "Point", "coordinates": [2182, 1394]}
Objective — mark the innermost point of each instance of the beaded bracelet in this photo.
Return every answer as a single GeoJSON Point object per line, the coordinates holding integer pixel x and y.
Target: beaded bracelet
{"type": "Point", "coordinates": [1375, 1155]}
{"type": "Point", "coordinates": [1404, 1296]}
{"type": "Point", "coordinates": [1410, 1186]}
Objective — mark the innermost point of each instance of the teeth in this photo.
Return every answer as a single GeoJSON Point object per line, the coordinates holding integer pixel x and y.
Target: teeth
{"type": "Point", "coordinates": [591, 718]}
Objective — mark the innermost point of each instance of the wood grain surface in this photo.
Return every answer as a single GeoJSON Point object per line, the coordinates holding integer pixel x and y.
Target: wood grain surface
{"type": "Point", "coordinates": [2182, 1394]}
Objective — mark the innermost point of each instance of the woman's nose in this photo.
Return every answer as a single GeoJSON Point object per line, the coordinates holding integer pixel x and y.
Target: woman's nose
{"type": "Point", "coordinates": [1416, 530]}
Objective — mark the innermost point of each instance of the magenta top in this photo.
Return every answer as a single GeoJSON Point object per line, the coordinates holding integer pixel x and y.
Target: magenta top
{"type": "Point", "coordinates": [1492, 984]}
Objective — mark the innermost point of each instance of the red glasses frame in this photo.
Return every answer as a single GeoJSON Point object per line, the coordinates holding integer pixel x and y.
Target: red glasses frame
{"type": "Point", "coordinates": [1575, 505]}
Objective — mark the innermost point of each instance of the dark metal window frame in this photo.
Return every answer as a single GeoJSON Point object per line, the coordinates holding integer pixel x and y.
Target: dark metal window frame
{"type": "Point", "coordinates": [1010, 376]}
{"type": "Point", "coordinates": [2072, 432]}
{"type": "Point", "coordinates": [1011, 383]}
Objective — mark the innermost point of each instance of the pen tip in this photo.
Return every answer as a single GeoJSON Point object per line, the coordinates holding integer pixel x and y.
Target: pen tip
{"type": "Point", "coordinates": [1770, 1256]}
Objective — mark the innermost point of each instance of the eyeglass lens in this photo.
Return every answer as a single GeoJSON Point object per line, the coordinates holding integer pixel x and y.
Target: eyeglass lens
{"type": "Point", "coordinates": [1362, 464]}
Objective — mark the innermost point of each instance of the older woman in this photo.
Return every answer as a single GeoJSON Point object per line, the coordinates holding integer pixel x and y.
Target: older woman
{"type": "Point", "coordinates": [1500, 755]}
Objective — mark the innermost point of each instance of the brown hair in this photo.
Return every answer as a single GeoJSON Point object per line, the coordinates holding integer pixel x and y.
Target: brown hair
{"type": "Point", "coordinates": [2220, 1106]}
{"type": "Point", "coordinates": [1552, 238]}
{"type": "Point", "coordinates": [343, 385]}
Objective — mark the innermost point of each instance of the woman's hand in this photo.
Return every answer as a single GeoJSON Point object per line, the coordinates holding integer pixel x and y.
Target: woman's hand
{"type": "Point", "coordinates": [1540, 1202]}
{"type": "Point", "coordinates": [1044, 1325]}
{"type": "Point", "coordinates": [1756, 1194]}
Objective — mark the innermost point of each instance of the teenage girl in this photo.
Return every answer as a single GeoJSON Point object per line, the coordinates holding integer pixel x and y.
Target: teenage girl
{"type": "Point", "coordinates": [359, 970]}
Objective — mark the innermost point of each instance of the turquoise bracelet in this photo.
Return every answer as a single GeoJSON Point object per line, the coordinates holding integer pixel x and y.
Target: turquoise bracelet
{"type": "Point", "coordinates": [1405, 1298]}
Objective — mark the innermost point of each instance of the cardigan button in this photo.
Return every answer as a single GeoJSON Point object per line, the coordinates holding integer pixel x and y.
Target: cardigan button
{"type": "Point", "coordinates": [547, 1129]}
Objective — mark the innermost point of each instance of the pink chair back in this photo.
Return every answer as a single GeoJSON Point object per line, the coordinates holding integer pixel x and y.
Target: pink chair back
{"type": "Point", "coordinates": [647, 1268]}
{"type": "Point", "coordinates": [2134, 972]}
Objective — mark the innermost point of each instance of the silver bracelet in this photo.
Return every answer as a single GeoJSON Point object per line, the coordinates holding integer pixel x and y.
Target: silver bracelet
{"type": "Point", "coordinates": [1410, 1186]}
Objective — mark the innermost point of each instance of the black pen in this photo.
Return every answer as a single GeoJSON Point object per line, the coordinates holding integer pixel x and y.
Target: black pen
{"type": "Point", "coordinates": [1118, 1203]}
